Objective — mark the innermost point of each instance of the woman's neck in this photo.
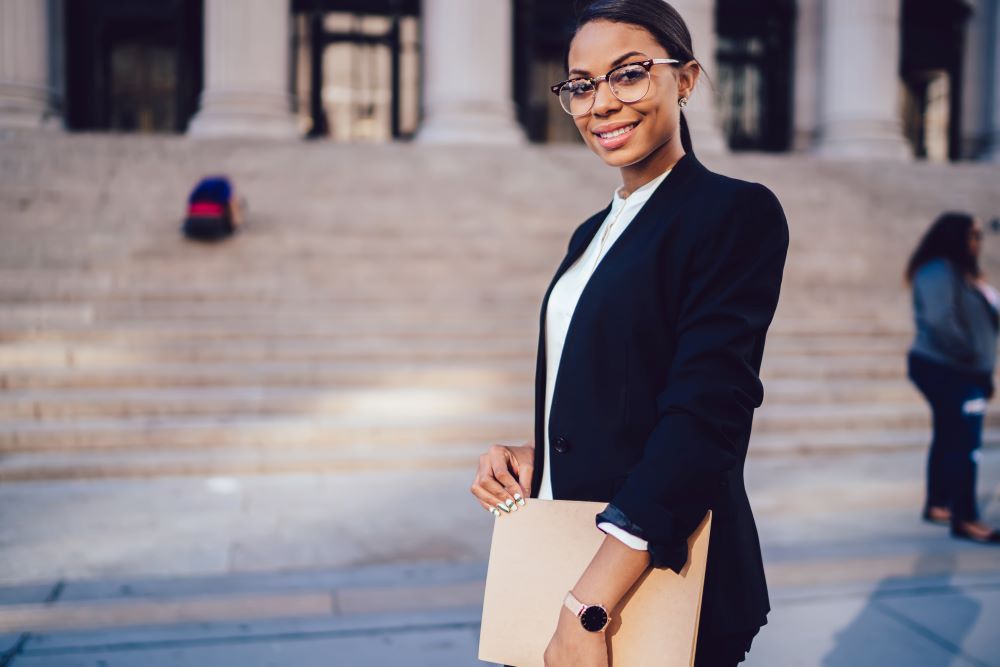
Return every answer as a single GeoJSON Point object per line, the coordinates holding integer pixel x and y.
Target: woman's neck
{"type": "Point", "coordinates": [636, 175]}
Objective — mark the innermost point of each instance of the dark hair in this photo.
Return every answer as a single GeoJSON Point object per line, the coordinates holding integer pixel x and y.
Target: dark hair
{"type": "Point", "coordinates": [948, 237]}
{"type": "Point", "coordinates": [659, 18]}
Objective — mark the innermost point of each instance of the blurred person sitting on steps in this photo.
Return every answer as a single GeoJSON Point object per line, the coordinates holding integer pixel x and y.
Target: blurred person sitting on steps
{"type": "Point", "coordinates": [214, 211]}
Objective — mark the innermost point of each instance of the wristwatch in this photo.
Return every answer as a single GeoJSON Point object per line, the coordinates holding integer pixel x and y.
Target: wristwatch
{"type": "Point", "coordinates": [593, 617]}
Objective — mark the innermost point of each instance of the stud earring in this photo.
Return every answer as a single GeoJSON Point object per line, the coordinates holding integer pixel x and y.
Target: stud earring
{"type": "Point", "coordinates": [683, 102]}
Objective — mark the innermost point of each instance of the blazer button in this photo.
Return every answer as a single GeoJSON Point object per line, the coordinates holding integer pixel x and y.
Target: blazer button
{"type": "Point", "coordinates": [562, 445]}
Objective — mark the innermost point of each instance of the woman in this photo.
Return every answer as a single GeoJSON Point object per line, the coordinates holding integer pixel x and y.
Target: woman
{"type": "Point", "coordinates": [951, 361]}
{"type": "Point", "coordinates": [670, 289]}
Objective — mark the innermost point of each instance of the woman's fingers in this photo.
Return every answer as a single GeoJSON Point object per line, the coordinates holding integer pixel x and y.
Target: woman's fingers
{"type": "Point", "coordinates": [494, 485]}
{"type": "Point", "coordinates": [489, 492]}
{"type": "Point", "coordinates": [503, 460]}
{"type": "Point", "coordinates": [525, 470]}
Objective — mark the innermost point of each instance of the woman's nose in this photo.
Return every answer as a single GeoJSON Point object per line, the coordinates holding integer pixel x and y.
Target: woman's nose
{"type": "Point", "coordinates": [604, 100]}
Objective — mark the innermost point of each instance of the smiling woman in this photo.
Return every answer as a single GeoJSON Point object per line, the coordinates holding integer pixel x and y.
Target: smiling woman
{"type": "Point", "coordinates": [650, 346]}
{"type": "Point", "coordinates": [634, 121]}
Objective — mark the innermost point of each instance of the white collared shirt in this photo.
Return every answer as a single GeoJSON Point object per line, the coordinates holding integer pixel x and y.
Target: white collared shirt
{"type": "Point", "coordinates": [562, 302]}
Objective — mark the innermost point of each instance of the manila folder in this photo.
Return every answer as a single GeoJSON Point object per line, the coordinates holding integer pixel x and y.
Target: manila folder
{"type": "Point", "coordinates": [539, 552]}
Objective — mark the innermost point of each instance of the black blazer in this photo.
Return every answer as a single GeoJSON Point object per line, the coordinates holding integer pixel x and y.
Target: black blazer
{"type": "Point", "coordinates": [659, 377]}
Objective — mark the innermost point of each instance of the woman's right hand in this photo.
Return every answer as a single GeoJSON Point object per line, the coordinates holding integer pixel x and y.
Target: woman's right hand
{"type": "Point", "coordinates": [504, 475]}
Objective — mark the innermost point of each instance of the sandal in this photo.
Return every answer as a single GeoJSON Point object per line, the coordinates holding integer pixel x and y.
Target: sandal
{"type": "Point", "coordinates": [937, 515]}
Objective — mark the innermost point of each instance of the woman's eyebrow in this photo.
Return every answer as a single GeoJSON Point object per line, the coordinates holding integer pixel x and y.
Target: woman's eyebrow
{"type": "Point", "coordinates": [618, 61]}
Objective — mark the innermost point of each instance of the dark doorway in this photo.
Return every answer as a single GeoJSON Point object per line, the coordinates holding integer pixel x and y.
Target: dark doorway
{"type": "Point", "coordinates": [542, 30]}
{"type": "Point", "coordinates": [754, 72]}
{"type": "Point", "coordinates": [373, 38]}
{"type": "Point", "coordinates": [933, 37]}
{"type": "Point", "coordinates": [133, 65]}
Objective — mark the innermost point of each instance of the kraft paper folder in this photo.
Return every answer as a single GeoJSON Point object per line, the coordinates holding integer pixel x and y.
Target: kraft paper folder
{"type": "Point", "coordinates": [539, 552]}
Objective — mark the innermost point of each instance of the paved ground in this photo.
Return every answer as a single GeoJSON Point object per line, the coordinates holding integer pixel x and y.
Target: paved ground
{"type": "Point", "coordinates": [281, 570]}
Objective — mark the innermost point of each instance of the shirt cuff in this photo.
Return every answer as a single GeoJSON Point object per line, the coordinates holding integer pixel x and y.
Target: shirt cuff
{"type": "Point", "coordinates": [629, 539]}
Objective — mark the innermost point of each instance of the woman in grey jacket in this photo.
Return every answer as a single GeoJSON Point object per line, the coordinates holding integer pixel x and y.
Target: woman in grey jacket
{"type": "Point", "coordinates": [951, 361]}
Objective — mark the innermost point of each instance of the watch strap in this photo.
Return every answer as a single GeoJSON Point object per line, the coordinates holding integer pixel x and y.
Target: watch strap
{"type": "Point", "coordinates": [573, 604]}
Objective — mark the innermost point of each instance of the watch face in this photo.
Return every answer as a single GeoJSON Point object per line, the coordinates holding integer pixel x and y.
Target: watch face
{"type": "Point", "coordinates": [594, 618]}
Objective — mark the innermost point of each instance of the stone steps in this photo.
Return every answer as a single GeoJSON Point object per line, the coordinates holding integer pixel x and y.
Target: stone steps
{"type": "Point", "coordinates": [780, 402]}
{"type": "Point", "coordinates": [44, 355]}
{"type": "Point", "coordinates": [388, 455]}
{"type": "Point", "coordinates": [782, 356]}
{"type": "Point", "coordinates": [819, 391]}
{"type": "Point", "coordinates": [81, 358]}
{"type": "Point", "coordinates": [265, 376]}
{"type": "Point", "coordinates": [284, 373]}
{"type": "Point", "coordinates": [350, 325]}
{"type": "Point", "coordinates": [85, 322]}
{"type": "Point", "coordinates": [344, 430]}
{"type": "Point", "coordinates": [803, 403]}
{"type": "Point", "coordinates": [149, 332]}
{"type": "Point", "coordinates": [236, 460]}
{"type": "Point", "coordinates": [362, 399]}
{"type": "Point", "coordinates": [327, 421]}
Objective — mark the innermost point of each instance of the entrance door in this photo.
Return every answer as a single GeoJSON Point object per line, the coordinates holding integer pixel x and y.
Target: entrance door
{"type": "Point", "coordinates": [753, 79]}
{"type": "Point", "coordinates": [132, 65]}
{"type": "Point", "coordinates": [931, 70]}
{"type": "Point", "coordinates": [143, 87]}
{"type": "Point", "coordinates": [357, 67]}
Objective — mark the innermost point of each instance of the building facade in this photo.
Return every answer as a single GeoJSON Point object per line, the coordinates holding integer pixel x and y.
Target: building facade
{"type": "Point", "coordinates": [879, 79]}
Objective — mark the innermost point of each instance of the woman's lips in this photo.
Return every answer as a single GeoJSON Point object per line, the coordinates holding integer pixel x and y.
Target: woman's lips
{"type": "Point", "coordinates": [618, 140]}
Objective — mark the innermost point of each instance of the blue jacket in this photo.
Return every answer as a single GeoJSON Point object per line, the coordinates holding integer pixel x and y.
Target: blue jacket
{"type": "Point", "coordinates": [956, 324]}
{"type": "Point", "coordinates": [659, 378]}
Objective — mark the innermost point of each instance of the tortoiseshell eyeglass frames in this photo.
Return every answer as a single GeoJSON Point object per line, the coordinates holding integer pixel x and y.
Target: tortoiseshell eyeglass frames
{"type": "Point", "coordinates": [628, 82]}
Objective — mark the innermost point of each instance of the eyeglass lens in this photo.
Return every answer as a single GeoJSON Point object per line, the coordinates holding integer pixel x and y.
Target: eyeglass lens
{"type": "Point", "coordinates": [628, 84]}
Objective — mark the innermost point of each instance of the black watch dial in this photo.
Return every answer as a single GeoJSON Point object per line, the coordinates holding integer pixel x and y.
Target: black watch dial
{"type": "Point", "coordinates": [594, 618]}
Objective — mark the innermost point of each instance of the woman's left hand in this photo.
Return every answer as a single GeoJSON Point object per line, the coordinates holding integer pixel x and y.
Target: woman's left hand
{"type": "Point", "coordinates": [574, 646]}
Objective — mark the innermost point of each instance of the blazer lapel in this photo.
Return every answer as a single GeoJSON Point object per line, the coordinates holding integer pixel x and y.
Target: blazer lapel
{"type": "Point", "coordinates": [661, 206]}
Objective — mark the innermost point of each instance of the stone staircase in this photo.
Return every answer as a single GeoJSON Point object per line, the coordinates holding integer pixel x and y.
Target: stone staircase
{"type": "Point", "coordinates": [381, 308]}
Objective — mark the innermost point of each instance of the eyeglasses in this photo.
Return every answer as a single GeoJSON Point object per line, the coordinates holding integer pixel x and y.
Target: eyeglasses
{"type": "Point", "coordinates": [628, 82]}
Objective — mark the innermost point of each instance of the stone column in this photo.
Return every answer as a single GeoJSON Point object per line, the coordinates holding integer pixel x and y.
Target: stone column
{"type": "Point", "coordinates": [992, 144]}
{"type": "Point", "coordinates": [976, 79]}
{"type": "Point", "coordinates": [467, 91]}
{"type": "Point", "coordinates": [26, 97]}
{"type": "Point", "coordinates": [805, 85]}
{"type": "Point", "coordinates": [860, 115]}
{"type": "Point", "coordinates": [246, 89]}
{"type": "Point", "coordinates": [701, 114]}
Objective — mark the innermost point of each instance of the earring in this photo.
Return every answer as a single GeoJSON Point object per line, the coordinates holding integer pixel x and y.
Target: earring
{"type": "Point", "coordinates": [683, 102]}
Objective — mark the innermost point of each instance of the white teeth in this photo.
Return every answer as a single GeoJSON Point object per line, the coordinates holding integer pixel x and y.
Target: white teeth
{"type": "Point", "coordinates": [620, 131]}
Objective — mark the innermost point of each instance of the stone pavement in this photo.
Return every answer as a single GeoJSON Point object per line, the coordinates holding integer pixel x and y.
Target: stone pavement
{"type": "Point", "coordinates": [282, 570]}
{"type": "Point", "coordinates": [915, 621]}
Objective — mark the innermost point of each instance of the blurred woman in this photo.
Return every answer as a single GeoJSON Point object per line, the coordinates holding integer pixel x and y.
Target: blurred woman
{"type": "Point", "coordinates": [951, 361]}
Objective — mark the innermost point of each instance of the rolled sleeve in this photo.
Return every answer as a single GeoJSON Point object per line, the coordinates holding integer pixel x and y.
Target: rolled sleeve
{"type": "Point", "coordinates": [625, 538]}
{"type": "Point", "coordinates": [705, 409]}
{"type": "Point", "coordinates": [614, 522]}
